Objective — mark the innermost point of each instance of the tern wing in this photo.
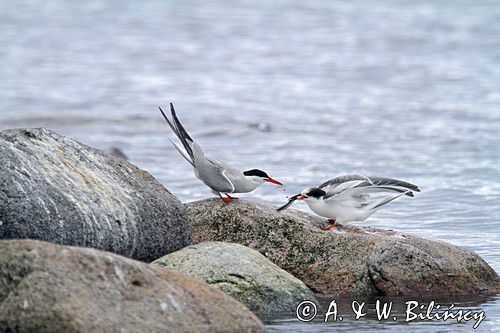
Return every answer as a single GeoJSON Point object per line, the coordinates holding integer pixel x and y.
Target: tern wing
{"type": "Point", "coordinates": [358, 187]}
{"type": "Point", "coordinates": [340, 184]}
{"type": "Point", "coordinates": [209, 170]}
{"type": "Point", "coordinates": [215, 174]}
{"type": "Point", "coordinates": [342, 181]}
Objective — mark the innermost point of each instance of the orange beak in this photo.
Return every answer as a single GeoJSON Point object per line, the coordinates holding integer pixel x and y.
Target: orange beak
{"type": "Point", "coordinates": [274, 181]}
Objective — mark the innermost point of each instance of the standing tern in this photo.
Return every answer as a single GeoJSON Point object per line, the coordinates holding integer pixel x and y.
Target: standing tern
{"type": "Point", "coordinates": [219, 176]}
{"type": "Point", "coordinates": [347, 198]}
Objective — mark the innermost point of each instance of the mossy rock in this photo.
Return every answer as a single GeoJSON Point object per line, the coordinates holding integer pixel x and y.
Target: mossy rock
{"type": "Point", "coordinates": [243, 273]}
{"type": "Point", "coordinates": [346, 260]}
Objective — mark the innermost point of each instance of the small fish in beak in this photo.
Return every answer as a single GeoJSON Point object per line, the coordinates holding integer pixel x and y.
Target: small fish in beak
{"type": "Point", "coordinates": [290, 202]}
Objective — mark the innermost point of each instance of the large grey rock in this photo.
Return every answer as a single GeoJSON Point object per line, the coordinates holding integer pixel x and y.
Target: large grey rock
{"type": "Point", "coordinates": [347, 260]}
{"type": "Point", "coordinates": [243, 273]}
{"type": "Point", "coordinates": [52, 288]}
{"type": "Point", "coordinates": [56, 189]}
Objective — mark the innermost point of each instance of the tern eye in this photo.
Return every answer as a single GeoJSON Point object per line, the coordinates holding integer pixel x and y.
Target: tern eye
{"type": "Point", "coordinates": [316, 193]}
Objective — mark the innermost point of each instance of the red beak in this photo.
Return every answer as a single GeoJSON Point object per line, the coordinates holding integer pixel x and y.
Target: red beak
{"type": "Point", "coordinates": [301, 197]}
{"type": "Point", "coordinates": [274, 181]}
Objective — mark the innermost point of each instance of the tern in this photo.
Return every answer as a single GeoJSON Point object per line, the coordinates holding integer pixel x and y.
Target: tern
{"type": "Point", "coordinates": [347, 198]}
{"type": "Point", "coordinates": [218, 175]}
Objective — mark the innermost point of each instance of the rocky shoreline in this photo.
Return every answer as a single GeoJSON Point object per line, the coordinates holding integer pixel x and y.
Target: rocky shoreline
{"type": "Point", "coordinates": [56, 189]}
{"type": "Point", "coordinates": [243, 273]}
{"type": "Point", "coordinates": [345, 261]}
{"type": "Point", "coordinates": [90, 242]}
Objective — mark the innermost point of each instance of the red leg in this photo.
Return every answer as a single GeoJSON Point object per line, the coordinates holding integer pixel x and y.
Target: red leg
{"type": "Point", "coordinates": [333, 223]}
{"type": "Point", "coordinates": [230, 197]}
{"type": "Point", "coordinates": [226, 200]}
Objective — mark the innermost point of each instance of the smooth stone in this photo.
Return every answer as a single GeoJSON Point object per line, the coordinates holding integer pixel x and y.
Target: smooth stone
{"type": "Point", "coordinates": [243, 273]}
{"type": "Point", "coordinates": [46, 287]}
{"type": "Point", "coordinates": [56, 189]}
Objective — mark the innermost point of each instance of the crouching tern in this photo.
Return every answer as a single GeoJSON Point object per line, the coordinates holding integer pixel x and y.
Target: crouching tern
{"type": "Point", "coordinates": [349, 198]}
{"type": "Point", "coordinates": [219, 176]}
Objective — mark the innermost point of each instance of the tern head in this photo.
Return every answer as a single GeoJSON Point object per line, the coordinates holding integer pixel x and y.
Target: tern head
{"type": "Point", "coordinates": [311, 193]}
{"type": "Point", "coordinates": [259, 176]}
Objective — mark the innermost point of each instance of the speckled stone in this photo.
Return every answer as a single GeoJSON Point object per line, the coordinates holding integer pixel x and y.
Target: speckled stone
{"type": "Point", "coordinates": [52, 288]}
{"type": "Point", "coordinates": [347, 260]}
{"type": "Point", "coordinates": [56, 189]}
{"type": "Point", "coordinates": [243, 273]}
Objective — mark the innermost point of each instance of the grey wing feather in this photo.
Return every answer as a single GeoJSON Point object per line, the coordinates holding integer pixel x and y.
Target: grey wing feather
{"type": "Point", "coordinates": [213, 173]}
{"type": "Point", "coordinates": [382, 181]}
{"type": "Point", "coordinates": [360, 185]}
{"type": "Point", "coordinates": [341, 179]}
{"type": "Point", "coordinates": [340, 184]}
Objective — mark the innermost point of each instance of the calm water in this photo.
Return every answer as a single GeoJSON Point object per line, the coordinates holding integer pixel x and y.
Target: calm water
{"type": "Point", "coordinates": [304, 91]}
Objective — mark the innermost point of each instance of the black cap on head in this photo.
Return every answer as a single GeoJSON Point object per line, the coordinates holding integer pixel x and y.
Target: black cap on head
{"type": "Point", "coordinates": [315, 193]}
{"type": "Point", "coordinates": [256, 172]}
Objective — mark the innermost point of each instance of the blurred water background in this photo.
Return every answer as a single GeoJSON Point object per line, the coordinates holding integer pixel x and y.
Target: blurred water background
{"type": "Point", "coordinates": [304, 90]}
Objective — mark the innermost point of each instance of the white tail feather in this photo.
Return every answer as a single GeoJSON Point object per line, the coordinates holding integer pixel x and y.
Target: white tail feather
{"type": "Point", "coordinates": [385, 201]}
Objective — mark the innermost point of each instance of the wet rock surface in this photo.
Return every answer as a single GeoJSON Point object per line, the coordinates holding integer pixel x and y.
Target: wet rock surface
{"type": "Point", "coordinates": [347, 260]}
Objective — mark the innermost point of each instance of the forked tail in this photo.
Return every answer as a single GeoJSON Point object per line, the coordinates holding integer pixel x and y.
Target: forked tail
{"type": "Point", "coordinates": [377, 205]}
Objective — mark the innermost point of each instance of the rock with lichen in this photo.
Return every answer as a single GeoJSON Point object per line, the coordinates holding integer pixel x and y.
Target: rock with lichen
{"type": "Point", "coordinates": [56, 189]}
{"type": "Point", "coordinates": [53, 288]}
{"type": "Point", "coordinates": [347, 260]}
{"type": "Point", "coordinates": [243, 273]}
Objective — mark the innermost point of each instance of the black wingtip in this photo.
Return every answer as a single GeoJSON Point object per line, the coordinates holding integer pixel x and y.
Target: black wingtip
{"type": "Point", "coordinates": [168, 121]}
{"type": "Point", "coordinates": [182, 131]}
{"type": "Point", "coordinates": [164, 115]}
